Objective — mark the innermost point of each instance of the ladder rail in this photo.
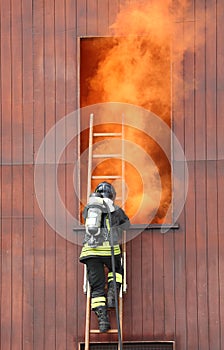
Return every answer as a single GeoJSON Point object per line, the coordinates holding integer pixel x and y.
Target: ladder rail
{"type": "Point", "coordinates": [88, 312]}
{"type": "Point", "coordinates": [124, 248]}
{"type": "Point", "coordinates": [90, 155]}
{"type": "Point", "coordinates": [86, 286]}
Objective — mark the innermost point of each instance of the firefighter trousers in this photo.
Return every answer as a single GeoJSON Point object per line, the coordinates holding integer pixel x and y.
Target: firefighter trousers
{"type": "Point", "coordinates": [97, 277]}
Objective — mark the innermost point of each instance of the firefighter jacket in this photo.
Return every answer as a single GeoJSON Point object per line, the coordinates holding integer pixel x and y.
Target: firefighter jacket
{"type": "Point", "coordinates": [100, 245]}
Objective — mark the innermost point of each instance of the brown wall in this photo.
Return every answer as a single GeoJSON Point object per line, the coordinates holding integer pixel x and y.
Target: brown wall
{"type": "Point", "coordinates": [176, 280]}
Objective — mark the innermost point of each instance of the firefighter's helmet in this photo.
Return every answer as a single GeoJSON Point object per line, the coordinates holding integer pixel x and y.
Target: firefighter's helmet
{"type": "Point", "coordinates": [106, 190]}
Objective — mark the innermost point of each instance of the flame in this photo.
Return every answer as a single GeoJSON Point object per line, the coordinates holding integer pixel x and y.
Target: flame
{"type": "Point", "coordinates": [135, 67]}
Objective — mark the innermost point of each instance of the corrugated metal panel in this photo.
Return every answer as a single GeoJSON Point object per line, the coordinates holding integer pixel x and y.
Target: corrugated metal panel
{"type": "Point", "coordinates": [159, 345]}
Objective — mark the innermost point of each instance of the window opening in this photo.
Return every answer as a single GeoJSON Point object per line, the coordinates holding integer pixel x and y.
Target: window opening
{"type": "Point", "coordinates": [111, 73]}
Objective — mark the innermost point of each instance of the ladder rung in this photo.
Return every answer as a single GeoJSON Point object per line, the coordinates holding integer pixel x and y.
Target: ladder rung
{"type": "Point", "coordinates": [106, 177]}
{"type": "Point", "coordinates": [95, 331]}
{"type": "Point", "coordinates": [106, 155]}
{"type": "Point", "coordinates": [107, 134]}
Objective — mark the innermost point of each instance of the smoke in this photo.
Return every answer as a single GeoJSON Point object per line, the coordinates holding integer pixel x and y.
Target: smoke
{"type": "Point", "coordinates": [135, 68]}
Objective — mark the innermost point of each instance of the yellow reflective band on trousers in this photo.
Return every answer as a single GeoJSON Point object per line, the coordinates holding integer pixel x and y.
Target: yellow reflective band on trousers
{"type": "Point", "coordinates": [98, 301]}
{"type": "Point", "coordinates": [118, 277]}
{"type": "Point", "coordinates": [102, 250]}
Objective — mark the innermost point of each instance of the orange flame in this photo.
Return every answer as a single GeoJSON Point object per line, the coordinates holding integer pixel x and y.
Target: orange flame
{"type": "Point", "coordinates": [135, 67]}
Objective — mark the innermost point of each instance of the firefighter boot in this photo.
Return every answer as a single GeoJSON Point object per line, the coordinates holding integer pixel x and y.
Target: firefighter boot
{"type": "Point", "coordinates": [103, 319]}
{"type": "Point", "coordinates": [111, 294]}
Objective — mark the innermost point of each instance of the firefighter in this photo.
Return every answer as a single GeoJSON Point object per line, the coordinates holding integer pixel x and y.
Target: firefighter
{"type": "Point", "coordinates": [96, 250]}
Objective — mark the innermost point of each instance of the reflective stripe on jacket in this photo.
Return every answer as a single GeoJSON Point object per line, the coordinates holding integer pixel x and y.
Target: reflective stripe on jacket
{"type": "Point", "coordinates": [103, 250]}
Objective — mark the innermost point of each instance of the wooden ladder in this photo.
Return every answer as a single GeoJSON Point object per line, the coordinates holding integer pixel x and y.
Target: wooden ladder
{"type": "Point", "coordinates": [86, 286]}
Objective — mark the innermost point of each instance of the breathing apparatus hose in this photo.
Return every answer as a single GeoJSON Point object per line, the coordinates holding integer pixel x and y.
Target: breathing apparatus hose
{"type": "Point", "coordinates": [114, 275]}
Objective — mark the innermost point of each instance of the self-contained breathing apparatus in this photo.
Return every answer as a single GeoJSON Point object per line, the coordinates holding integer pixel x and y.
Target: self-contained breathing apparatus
{"type": "Point", "coordinates": [96, 206]}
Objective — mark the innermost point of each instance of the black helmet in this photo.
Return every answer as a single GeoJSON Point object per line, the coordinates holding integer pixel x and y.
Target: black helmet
{"type": "Point", "coordinates": [106, 190]}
